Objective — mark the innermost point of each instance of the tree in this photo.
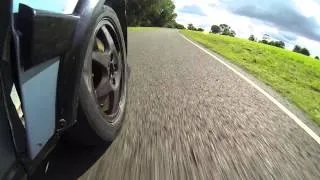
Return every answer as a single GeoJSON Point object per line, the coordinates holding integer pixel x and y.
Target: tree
{"type": "Point", "coordinates": [179, 26]}
{"type": "Point", "coordinates": [301, 50]}
{"type": "Point", "coordinates": [215, 29]}
{"type": "Point", "coordinates": [232, 33]}
{"type": "Point", "coordinates": [252, 38]}
{"type": "Point", "coordinates": [200, 29]}
{"type": "Point", "coordinates": [151, 13]}
{"type": "Point", "coordinates": [305, 51]}
{"type": "Point", "coordinates": [279, 44]}
{"type": "Point", "coordinates": [191, 27]}
{"type": "Point", "coordinates": [226, 30]}
{"type": "Point", "coordinates": [297, 48]}
{"type": "Point", "coordinates": [317, 57]}
{"type": "Point", "coordinates": [272, 43]}
{"type": "Point", "coordinates": [264, 41]}
{"type": "Point", "coordinates": [224, 27]}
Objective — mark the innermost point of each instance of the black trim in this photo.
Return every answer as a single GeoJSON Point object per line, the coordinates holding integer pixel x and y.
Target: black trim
{"type": "Point", "coordinates": [17, 130]}
{"type": "Point", "coordinates": [44, 34]}
{"type": "Point", "coordinates": [16, 172]}
{"type": "Point", "coordinates": [12, 139]}
{"type": "Point", "coordinates": [45, 151]}
{"type": "Point", "coordinates": [5, 11]}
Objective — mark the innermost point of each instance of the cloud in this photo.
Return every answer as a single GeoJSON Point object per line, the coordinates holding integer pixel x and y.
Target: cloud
{"type": "Point", "coordinates": [292, 21]}
{"type": "Point", "coordinates": [192, 9]}
{"type": "Point", "coordinates": [288, 36]}
{"type": "Point", "coordinates": [282, 14]}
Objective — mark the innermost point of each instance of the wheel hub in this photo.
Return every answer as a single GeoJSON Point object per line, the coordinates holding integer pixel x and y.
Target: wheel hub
{"type": "Point", "coordinates": [113, 70]}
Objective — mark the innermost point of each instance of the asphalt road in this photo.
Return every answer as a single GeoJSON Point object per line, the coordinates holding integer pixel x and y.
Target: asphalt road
{"type": "Point", "coordinates": [189, 117]}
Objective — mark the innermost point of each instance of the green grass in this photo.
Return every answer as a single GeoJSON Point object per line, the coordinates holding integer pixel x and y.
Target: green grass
{"type": "Point", "coordinates": [295, 76]}
{"type": "Point", "coordinates": [134, 29]}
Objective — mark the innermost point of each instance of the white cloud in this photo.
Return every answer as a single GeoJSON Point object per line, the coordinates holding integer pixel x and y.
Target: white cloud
{"type": "Point", "coordinates": [308, 8]}
{"type": "Point", "coordinates": [244, 26]}
{"type": "Point", "coordinates": [180, 3]}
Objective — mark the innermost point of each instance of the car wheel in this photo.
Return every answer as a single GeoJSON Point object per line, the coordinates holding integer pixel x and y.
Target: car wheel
{"type": "Point", "coordinates": [103, 87]}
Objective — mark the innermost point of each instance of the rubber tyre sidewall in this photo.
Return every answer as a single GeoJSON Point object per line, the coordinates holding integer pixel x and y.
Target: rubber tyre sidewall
{"type": "Point", "coordinates": [90, 111]}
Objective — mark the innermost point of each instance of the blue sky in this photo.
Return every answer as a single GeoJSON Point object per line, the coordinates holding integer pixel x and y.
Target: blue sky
{"type": "Point", "coordinates": [59, 6]}
{"type": "Point", "coordinates": [292, 21]}
{"type": "Point", "coordinates": [192, 9]}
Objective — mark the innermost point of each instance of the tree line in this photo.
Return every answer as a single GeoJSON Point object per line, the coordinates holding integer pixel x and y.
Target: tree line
{"type": "Point", "coordinates": [158, 13]}
{"type": "Point", "coordinates": [192, 28]}
{"type": "Point", "coordinates": [281, 44]}
{"type": "Point", "coordinates": [222, 29]}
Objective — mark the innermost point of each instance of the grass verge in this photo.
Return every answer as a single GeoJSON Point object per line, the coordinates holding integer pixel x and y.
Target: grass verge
{"type": "Point", "coordinates": [295, 76]}
{"type": "Point", "coordinates": [134, 29]}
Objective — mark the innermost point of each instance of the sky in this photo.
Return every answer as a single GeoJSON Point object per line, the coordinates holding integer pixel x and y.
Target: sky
{"type": "Point", "coordinates": [291, 21]}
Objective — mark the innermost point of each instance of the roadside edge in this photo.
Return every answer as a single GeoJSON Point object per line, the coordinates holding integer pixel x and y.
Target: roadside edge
{"type": "Point", "coordinates": [294, 117]}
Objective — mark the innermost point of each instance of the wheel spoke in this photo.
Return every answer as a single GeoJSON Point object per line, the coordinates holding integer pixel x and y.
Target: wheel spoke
{"type": "Point", "coordinates": [99, 45]}
{"type": "Point", "coordinates": [119, 60]}
{"type": "Point", "coordinates": [117, 77]}
{"type": "Point", "coordinates": [101, 58]}
{"type": "Point", "coordinates": [106, 104]}
{"type": "Point", "coordinates": [109, 38]}
{"type": "Point", "coordinates": [115, 100]}
{"type": "Point", "coordinates": [118, 72]}
{"type": "Point", "coordinates": [103, 87]}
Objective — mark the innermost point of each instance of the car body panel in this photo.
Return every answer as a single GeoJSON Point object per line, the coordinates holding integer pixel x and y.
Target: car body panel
{"type": "Point", "coordinates": [39, 98]}
{"type": "Point", "coordinates": [36, 77]}
{"type": "Point", "coordinates": [37, 69]}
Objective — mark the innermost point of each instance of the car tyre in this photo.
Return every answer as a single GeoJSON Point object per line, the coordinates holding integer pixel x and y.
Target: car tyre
{"type": "Point", "coordinates": [103, 86]}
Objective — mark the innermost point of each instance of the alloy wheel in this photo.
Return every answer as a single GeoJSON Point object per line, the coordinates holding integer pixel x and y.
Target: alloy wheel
{"type": "Point", "coordinates": [107, 69]}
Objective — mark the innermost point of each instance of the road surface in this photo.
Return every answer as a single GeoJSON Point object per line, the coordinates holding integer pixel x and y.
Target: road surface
{"type": "Point", "coordinates": [190, 117]}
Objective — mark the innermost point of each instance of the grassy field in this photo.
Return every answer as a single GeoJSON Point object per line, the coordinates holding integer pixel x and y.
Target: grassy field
{"type": "Point", "coordinates": [133, 29]}
{"type": "Point", "coordinates": [295, 76]}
